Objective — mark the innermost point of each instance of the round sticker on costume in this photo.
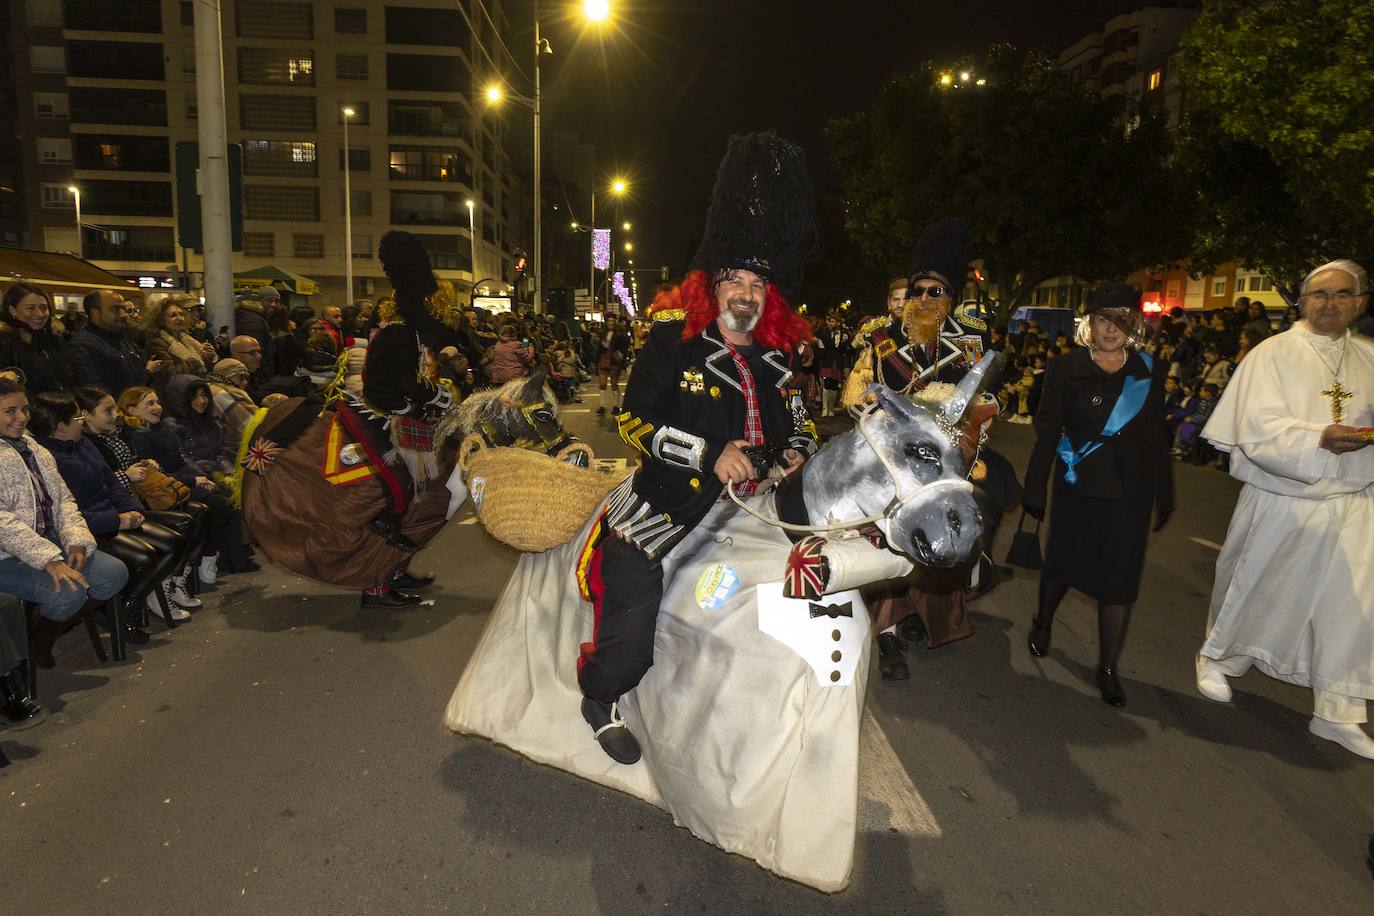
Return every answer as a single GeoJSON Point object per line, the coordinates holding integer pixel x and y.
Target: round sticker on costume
{"type": "Point", "coordinates": [716, 586]}
{"type": "Point", "coordinates": [478, 489]}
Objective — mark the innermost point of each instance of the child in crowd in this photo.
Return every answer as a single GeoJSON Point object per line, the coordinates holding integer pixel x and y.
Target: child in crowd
{"type": "Point", "coordinates": [1199, 410]}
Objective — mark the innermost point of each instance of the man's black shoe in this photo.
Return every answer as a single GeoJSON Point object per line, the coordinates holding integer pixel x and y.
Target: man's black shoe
{"type": "Point", "coordinates": [891, 664]}
{"type": "Point", "coordinates": [390, 529]}
{"type": "Point", "coordinates": [136, 634]}
{"type": "Point", "coordinates": [390, 599]}
{"type": "Point", "coordinates": [610, 731]}
{"type": "Point", "coordinates": [409, 582]}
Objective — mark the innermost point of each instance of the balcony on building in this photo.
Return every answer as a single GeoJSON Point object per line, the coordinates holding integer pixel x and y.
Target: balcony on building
{"type": "Point", "coordinates": [94, 105]}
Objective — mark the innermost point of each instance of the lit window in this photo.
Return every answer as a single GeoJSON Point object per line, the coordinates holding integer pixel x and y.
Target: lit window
{"type": "Point", "coordinates": [1156, 77]}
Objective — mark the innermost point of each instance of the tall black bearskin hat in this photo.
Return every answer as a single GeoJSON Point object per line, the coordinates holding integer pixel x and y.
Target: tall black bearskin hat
{"type": "Point", "coordinates": [943, 253]}
{"type": "Point", "coordinates": [1112, 296]}
{"type": "Point", "coordinates": [763, 212]}
{"type": "Point", "coordinates": [407, 267]}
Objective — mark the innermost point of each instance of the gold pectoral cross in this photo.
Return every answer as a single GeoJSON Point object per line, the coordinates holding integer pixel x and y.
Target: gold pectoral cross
{"type": "Point", "coordinates": [1337, 394]}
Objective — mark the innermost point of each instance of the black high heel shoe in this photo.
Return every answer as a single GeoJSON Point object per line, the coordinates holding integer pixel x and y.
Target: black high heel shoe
{"type": "Point", "coordinates": [1110, 687]}
{"type": "Point", "coordinates": [1039, 639]}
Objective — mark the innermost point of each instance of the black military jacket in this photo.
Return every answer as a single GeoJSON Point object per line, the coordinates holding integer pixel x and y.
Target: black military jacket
{"type": "Point", "coordinates": [896, 359]}
{"type": "Point", "coordinates": [684, 404]}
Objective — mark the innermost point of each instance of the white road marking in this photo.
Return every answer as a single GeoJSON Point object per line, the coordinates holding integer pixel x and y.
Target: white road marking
{"type": "Point", "coordinates": [1206, 543]}
{"type": "Point", "coordinates": [887, 797]}
{"type": "Point", "coordinates": [470, 520]}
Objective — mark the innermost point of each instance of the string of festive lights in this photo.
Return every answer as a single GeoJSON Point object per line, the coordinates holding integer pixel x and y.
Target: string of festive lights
{"type": "Point", "coordinates": [601, 248]}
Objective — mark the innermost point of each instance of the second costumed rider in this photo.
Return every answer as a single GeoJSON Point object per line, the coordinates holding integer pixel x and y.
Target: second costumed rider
{"type": "Point", "coordinates": [710, 382]}
{"type": "Point", "coordinates": [402, 398]}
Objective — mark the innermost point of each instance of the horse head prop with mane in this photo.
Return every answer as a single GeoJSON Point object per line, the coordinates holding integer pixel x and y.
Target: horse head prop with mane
{"type": "Point", "coordinates": [901, 469]}
{"type": "Point", "coordinates": [522, 413]}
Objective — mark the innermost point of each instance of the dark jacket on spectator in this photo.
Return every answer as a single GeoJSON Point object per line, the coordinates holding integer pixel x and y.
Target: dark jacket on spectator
{"type": "Point", "coordinates": [99, 494]}
{"type": "Point", "coordinates": [251, 322]}
{"type": "Point", "coordinates": [201, 436]}
{"type": "Point", "coordinates": [42, 357]}
{"type": "Point", "coordinates": [106, 359]}
{"type": "Point", "coordinates": [161, 444]}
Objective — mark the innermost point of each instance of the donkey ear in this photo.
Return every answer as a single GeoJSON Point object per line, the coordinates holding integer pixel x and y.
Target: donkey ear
{"type": "Point", "coordinates": [968, 388]}
{"type": "Point", "coordinates": [534, 386]}
{"type": "Point", "coordinates": [892, 402]}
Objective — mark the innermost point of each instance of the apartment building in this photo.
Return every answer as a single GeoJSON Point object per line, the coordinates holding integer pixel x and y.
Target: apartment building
{"type": "Point", "coordinates": [105, 91]}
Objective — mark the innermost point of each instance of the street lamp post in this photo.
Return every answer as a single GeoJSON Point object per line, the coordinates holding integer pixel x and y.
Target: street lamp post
{"type": "Point", "coordinates": [472, 240]}
{"type": "Point", "coordinates": [76, 195]}
{"type": "Point", "coordinates": [348, 213]}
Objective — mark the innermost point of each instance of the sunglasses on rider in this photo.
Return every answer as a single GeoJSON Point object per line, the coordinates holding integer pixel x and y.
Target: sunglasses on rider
{"type": "Point", "coordinates": [924, 292]}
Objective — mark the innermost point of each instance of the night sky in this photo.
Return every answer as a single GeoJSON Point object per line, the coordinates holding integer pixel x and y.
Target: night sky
{"type": "Point", "coordinates": [660, 89]}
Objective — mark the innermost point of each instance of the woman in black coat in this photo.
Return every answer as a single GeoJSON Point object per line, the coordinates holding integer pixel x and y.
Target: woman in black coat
{"type": "Point", "coordinates": [1099, 429]}
{"type": "Point", "coordinates": [27, 341]}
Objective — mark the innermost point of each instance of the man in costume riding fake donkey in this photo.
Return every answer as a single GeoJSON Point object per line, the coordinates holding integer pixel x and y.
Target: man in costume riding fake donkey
{"type": "Point", "coordinates": [711, 384]}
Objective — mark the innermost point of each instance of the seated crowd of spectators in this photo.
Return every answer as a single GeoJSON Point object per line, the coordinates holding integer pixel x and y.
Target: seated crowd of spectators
{"type": "Point", "coordinates": [121, 428]}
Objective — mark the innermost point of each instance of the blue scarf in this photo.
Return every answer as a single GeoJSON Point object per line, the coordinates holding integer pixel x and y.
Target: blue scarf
{"type": "Point", "coordinates": [1133, 395]}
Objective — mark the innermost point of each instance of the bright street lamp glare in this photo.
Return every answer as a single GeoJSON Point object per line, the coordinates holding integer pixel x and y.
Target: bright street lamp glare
{"type": "Point", "coordinates": [618, 186]}
{"type": "Point", "coordinates": [946, 79]}
{"type": "Point", "coordinates": [469, 203]}
{"type": "Point", "coordinates": [348, 112]}
{"type": "Point", "coordinates": [597, 10]}
{"type": "Point", "coordinates": [965, 75]}
{"type": "Point", "coordinates": [626, 227]}
{"type": "Point", "coordinates": [629, 246]}
{"type": "Point", "coordinates": [494, 94]}
{"type": "Point", "coordinates": [72, 188]}
{"type": "Point", "coordinates": [574, 224]}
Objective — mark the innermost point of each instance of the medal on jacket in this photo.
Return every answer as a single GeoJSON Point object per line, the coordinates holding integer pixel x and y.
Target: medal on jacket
{"type": "Point", "coordinates": [692, 381]}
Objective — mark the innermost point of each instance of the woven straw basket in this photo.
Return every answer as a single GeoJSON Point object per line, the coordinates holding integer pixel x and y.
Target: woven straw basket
{"type": "Point", "coordinates": [531, 501]}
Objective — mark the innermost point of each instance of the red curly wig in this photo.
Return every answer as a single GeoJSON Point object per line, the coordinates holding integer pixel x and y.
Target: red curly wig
{"type": "Point", "coordinates": [779, 326]}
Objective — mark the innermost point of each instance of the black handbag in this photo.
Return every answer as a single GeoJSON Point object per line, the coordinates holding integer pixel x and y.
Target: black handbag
{"type": "Point", "coordinates": [1025, 546]}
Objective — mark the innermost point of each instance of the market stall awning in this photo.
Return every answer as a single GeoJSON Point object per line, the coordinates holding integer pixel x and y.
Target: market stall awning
{"type": "Point", "coordinates": [250, 280]}
{"type": "Point", "coordinates": [60, 271]}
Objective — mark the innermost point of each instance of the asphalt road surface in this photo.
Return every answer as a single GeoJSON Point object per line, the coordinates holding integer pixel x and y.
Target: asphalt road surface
{"type": "Point", "coordinates": [284, 753]}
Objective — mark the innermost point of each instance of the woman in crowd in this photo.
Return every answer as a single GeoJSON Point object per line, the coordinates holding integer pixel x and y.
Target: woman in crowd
{"type": "Point", "coordinates": [140, 410]}
{"type": "Point", "coordinates": [190, 413]}
{"type": "Point", "coordinates": [47, 554]}
{"type": "Point", "coordinates": [27, 341]}
{"type": "Point", "coordinates": [1099, 415]}
{"type": "Point", "coordinates": [170, 340]}
{"type": "Point", "coordinates": [154, 555]}
{"type": "Point", "coordinates": [114, 442]}
{"type": "Point", "coordinates": [510, 358]}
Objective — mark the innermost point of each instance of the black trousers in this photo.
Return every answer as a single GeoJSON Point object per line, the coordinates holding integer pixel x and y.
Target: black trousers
{"type": "Point", "coordinates": [224, 527]}
{"type": "Point", "coordinates": [148, 563]}
{"type": "Point", "coordinates": [626, 588]}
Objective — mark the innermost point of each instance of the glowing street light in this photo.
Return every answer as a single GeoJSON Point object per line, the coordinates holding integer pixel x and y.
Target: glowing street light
{"type": "Point", "coordinates": [494, 94]}
{"type": "Point", "coordinates": [981, 82]}
{"type": "Point", "coordinates": [625, 226]}
{"type": "Point", "coordinates": [618, 186]}
{"type": "Point", "coordinates": [597, 10]}
{"type": "Point", "coordinates": [946, 79]}
{"type": "Point", "coordinates": [629, 246]}
{"type": "Point", "coordinates": [965, 76]}
{"type": "Point", "coordinates": [76, 196]}
{"type": "Point", "coordinates": [575, 226]}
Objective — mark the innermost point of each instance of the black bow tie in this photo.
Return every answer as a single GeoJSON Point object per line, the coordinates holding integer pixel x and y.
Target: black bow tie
{"type": "Point", "coordinates": [833, 611]}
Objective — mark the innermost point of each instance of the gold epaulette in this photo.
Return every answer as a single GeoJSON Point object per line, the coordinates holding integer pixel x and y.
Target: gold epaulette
{"type": "Point", "coordinates": [873, 324]}
{"type": "Point", "coordinates": [670, 315]}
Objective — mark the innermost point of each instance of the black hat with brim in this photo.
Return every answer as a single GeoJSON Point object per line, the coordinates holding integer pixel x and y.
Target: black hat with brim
{"type": "Point", "coordinates": [1112, 296]}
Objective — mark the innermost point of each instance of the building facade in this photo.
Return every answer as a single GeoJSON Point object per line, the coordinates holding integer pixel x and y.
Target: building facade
{"type": "Point", "coordinates": [105, 92]}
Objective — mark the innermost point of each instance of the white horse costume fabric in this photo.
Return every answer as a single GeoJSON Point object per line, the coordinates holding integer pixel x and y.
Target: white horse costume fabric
{"type": "Point", "coordinates": [745, 742]}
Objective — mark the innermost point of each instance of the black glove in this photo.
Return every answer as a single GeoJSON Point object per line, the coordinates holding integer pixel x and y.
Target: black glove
{"type": "Point", "coordinates": [1162, 518]}
{"type": "Point", "coordinates": [1034, 511]}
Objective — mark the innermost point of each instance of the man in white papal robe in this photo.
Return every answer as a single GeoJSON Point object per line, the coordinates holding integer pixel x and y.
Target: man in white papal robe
{"type": "Point", "coordinates": [1294, 592]}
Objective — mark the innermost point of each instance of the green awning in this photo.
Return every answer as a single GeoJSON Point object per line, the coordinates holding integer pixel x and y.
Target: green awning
{"type": "Point", "coordinates": [250, 280]}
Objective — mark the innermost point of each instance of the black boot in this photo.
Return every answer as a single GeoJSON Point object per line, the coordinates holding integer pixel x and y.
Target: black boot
{"type": "Point", "coordinates": [391, 598]}
{"type": "Point", "coordinates": [44, 634]}
{"type": "Point", "coordinates": [19, 708]}
{"type": "Point", "coordinates": [891, 664]}
{"type": "Point", "coordinates": [1051, 594]}
{"type": "Point", "coordinates": [388, 525]}
{"type": "Point", "coordinates": [1112, 620]}
{"type": "Point", "coordinates": [611, 731]}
